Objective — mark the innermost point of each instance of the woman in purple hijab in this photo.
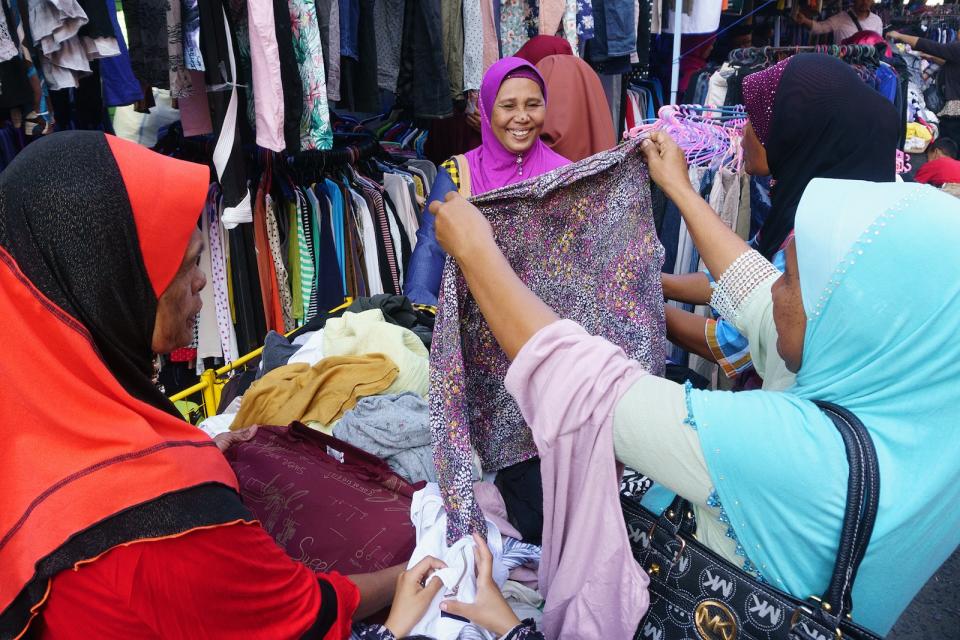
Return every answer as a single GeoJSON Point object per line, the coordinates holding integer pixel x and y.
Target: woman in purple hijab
{"type": "Point", "coordinates": [512, 109]}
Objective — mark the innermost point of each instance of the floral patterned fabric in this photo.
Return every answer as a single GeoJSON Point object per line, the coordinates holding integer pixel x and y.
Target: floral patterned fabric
{"type": "Point", "coordinates": [315, 131]}
{"type": "Point", "coordinates": [570, 24]}
{"type": "Point", "coordinates": [582, 238]}
{"type": "Point", "coordinates": [585, 19]}
{"type": "Point", "coordinates": [519, 21]}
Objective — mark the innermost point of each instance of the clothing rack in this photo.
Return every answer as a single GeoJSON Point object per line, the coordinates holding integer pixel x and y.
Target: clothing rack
{"type": "Point", "coordinates": [367, 147]}
{"type": "Point", "coordinates": [935, 13]}
{"type": "Point", "coordinates": [851, 53]}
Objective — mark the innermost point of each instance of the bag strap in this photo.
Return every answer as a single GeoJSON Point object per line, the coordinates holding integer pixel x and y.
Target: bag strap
{"type": "Point", "coordinates": [860, 514]}
{"type": "Point", "coordinates": [463, 170]}
{"type": "Point", "coordinates": [853, 17]}
{"type": "Point", "coordinates": [863, 497]}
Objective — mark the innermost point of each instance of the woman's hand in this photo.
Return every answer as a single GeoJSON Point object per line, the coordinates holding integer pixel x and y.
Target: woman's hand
{"type": "Point", "coordinates": [414, 595]}
{"type": "Point", "coordinates": [668, 165]}
{"type": "Point", "coordinates": [460, 227]}
{"type": "Point", "coordinates": [490, 610]}
{"type": "Point", "coordinates": [473, 121]}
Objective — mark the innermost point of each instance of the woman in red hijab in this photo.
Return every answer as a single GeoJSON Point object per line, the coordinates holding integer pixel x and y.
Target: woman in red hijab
{"type": "Point", "coordinates": [578, 123]}
{"type": "Point", "coordinates": [539, 47]}
{"type": "Point", "coordinates": [117, 518]}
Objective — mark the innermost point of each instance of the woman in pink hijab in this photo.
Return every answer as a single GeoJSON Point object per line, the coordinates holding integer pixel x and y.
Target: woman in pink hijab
{"type": "Point", "coordinates": [513, 106]}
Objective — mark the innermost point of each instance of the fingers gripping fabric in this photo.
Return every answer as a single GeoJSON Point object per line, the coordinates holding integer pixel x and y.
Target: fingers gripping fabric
{"type": "Point", "coordinates": [582, 238]}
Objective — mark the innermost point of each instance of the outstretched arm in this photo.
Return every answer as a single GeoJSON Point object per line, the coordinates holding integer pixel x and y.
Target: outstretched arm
{"type": "Point", "coordinates": [689, 331]}
{"type": "Point", "coordinates": [718, 245]}
{"type": "Point", "coordinates": [513, 312]}
{"type": "Point", "coordinates": [690, 288]}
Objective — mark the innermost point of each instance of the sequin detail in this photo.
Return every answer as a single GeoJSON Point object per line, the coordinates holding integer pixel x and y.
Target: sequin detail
{"type": "Point", "coordinates": [582, 238]}
{"type": "Point", "coordinates": [714, 501]}
{"type": "Point", "coordinates": [690, 421]}
{"type": "Point", "coordinates": [858, 247]}
{"type": "Point", "coordinates": [759, 90]}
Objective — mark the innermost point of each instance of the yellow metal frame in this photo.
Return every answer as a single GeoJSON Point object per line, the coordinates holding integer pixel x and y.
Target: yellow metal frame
{"type": "Point", "coordinates": [212, 381]}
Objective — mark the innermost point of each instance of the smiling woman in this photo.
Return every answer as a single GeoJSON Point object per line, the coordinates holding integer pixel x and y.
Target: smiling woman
{"type": "Point", "coordinates": [513, 107]}
{"type": "Point", "coordinates": [518, 113]}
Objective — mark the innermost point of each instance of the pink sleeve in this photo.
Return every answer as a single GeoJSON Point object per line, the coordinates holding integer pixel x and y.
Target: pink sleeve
{"type": "Point", "coordinates": [564, 377]}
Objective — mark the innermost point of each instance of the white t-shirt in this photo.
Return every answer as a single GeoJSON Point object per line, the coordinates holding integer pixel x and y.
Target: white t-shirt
{"type": "Point", "coordinates": [843, 26]}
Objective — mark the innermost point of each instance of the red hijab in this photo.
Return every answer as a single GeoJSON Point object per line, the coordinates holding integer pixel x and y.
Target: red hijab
{"type": "Point", "coordinates": [92, 230]}
{"type": "Point", "coordinates": [539, 47]}
{"type": "Point", "coordinates": [578, 122]}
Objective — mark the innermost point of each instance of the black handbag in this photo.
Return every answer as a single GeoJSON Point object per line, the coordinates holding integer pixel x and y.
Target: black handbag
{"type": "Point", "coordinates": [695, 594]}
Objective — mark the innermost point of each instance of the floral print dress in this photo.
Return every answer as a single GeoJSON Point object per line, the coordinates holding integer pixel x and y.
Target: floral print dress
{"type": "Point", "coordinates": [519, 21]}
{"type": "Point", "coordinates": [315, 131]}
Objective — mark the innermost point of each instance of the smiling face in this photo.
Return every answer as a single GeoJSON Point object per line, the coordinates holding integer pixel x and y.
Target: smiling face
{"type": "Point", "coordinates": [518, 114]}
{"type": "Point", "coordinates": [788, 313]}
{"type": "Point", "coordinates": [178, 306]}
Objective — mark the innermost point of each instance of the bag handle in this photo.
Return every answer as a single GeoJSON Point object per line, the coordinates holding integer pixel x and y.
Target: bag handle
{"type": "Point", "coordinates": [863, 497]}
{"type": "Point", "coordinates": [860, 514]}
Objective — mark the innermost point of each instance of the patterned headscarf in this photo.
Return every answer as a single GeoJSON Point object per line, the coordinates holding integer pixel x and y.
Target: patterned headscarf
{"type": "Point", "coordinates": [759, 91]}
{"type": "Point", "coordinates": [817, 119]}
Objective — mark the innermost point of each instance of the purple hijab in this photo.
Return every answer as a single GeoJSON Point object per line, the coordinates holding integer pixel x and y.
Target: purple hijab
{"type": "Point", "coordinates": [491, 165]}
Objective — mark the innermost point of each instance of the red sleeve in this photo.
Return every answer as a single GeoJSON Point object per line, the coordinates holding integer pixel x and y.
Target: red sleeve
{"type": "Point", "coordinates": [925, 174]}
{"type": "Point", "coordinates": [226, 582]}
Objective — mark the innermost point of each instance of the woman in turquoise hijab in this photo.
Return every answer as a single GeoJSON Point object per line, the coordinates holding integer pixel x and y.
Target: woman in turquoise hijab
{"type": "Point", "coordinates": [864, 315]}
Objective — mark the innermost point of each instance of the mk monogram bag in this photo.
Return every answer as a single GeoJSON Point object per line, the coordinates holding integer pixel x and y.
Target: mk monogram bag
{"type": "Point", "coordinates": [696, 595]}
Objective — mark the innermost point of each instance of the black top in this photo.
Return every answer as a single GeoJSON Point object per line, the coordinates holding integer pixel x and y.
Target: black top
{"type": "Point", "coordinates": [951, 70]}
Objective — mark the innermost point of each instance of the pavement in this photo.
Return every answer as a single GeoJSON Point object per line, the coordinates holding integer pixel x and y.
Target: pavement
{"type": "Point", "coordinates": [935, 613]}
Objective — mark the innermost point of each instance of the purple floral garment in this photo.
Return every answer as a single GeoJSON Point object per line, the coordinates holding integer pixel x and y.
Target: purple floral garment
{"type": "Point", "coordinates": [582, 238]}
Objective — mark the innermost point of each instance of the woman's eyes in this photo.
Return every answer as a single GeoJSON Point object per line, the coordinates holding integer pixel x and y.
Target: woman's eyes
{"type": "Point", "coordinates": [530, 105]}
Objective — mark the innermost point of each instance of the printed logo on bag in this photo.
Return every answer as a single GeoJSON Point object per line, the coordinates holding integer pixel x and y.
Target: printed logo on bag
{"type": "Point", "coordinates": [682, 566]}
{"type": "Point", "coordinates": [638, 535]}
{"type": "Point", "coordinates": [715, 621]}
{"type": "Point", "coordinates": [717, 583]}
{"type": "Point", "coordinates": [805, 630]}
{"type": "Point", "coordinates": [652, 628]}
{"type": "Point", "coordinates": [765, 614]}
{"type": "Point", "coordinates": [680, 616]}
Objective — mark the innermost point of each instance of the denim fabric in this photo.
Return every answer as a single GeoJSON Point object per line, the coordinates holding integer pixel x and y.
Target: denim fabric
{"type": "Point", "coordinates": [621, 24]}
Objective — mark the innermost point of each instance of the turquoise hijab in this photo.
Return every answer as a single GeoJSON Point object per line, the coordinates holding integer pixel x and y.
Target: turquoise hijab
{"type": "Point", "coordinates": [880, 277]}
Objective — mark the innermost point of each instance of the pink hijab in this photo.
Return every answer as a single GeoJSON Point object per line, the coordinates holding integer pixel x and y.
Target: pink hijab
{"type": "Point", "coordinates": [491, 165]}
